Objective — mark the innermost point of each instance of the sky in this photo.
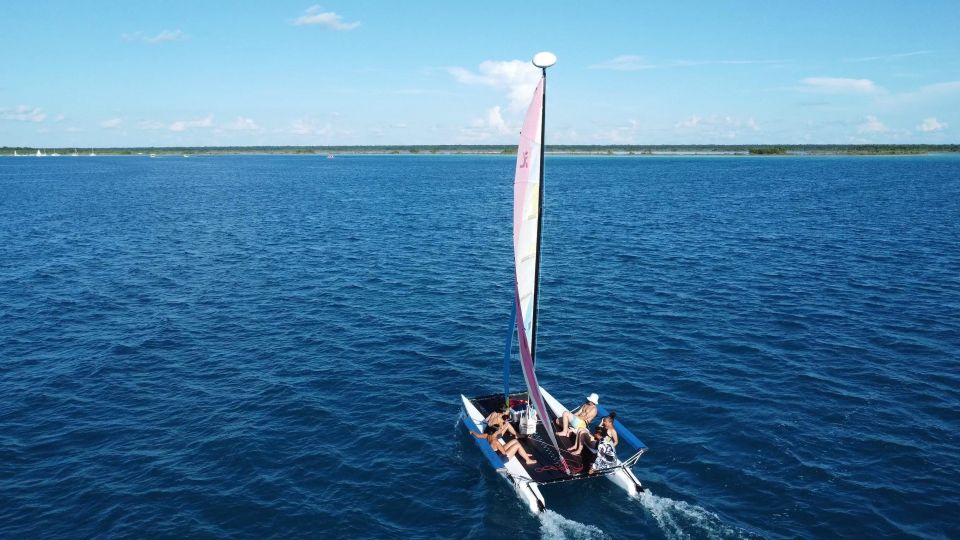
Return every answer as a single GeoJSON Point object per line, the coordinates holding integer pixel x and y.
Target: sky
{"type": "Point", "coordinates": [97, 74]}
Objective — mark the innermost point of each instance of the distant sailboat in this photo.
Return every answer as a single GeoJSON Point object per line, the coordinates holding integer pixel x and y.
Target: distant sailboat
{"type": "Point", "coordinates": [39, 153]}
{"type": "Point", "coordinates": [74, 154]}
{"type": "Point", "coordinates": [92, 154]}
{"type": "Point", "coordinates": [153, 155]}
{"type": "Point", "coordinates": [15, 154]}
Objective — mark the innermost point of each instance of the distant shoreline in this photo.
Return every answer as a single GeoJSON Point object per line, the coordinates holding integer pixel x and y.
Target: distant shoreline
{"type": "Point", "coordinates": [575, 150]}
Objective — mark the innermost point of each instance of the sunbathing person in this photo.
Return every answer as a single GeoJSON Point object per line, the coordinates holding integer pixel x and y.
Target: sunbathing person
{"type": "Point", "coordinates": [579, 421]}
{"type": "Point", "coordinates": [506, 450]}
{"type": "Point", "coordinates": [500, 419]}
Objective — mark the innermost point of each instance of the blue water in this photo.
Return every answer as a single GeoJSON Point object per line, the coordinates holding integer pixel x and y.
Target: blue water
{"type": "Point", "coordinates": [273, 346]}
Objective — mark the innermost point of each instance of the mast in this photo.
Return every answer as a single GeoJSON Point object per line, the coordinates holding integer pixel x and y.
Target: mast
{"type": "Point", "coordinates": [536, 276]}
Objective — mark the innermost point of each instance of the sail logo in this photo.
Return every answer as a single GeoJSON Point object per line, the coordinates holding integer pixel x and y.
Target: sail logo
{"type": "Point", "coordinates": [526, 158]}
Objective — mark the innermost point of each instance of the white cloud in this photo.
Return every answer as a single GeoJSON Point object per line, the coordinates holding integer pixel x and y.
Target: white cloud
{"type": "Point", "coordinates": [495, 122]}
{"type": "Point", "coordinates": [491, 127]}
{"type": "Point", "coordinates": [183, 125]}
{"type": "Point", "coordinates": [626, 62]}
{"type": "Point", "coordinates": [886, 56]}
{"type": "Point", "coordinates": [630, 62]}
{"type": "Point", "coordinates": [23, 113]}
{"type": "Point", "coordinates": [622, 134]}
{"type": "Point", "coordinates": [329, 19]}
{"type": "Point", "coordinates": [717, 120]}
{"type": "Point", "coordinates": [164, 36]}
{"type": "Point", "coordinates": [931, 124]}
{"type": "Point", "coordinates": [241, 123]}
{"type": "Point", "coordinates": [518, 77]}
{"type": "Point", "coordinates": [838, 85]}
{"type": "Point", "coordinates": [716, 127]}
{"type": "Point", "coordinates": [304, 126]}
{"type": "Point", "coordinates": [112, 123]}
{"type": "Point", "coordinates": [150, 125]}
{"type": "Point", "coordinates": [872, 125]}
{"type": "Point", "coordinates": [925, 94]}
{"type": "Point", "coordinates": [693, 121]}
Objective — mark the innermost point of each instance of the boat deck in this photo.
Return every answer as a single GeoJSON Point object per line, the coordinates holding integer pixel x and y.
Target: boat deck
{"type": "Point", "coordinates": [548, 467]}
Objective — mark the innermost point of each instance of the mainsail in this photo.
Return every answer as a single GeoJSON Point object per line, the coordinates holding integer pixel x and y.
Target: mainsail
{"type": "Point", "coordinates": [527, 205]}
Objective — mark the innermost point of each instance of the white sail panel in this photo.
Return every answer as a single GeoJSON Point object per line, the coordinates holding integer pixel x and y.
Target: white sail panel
{"type": "Point", "coordinates": [526, 224]}
{"type": "Point", "coordinates": [526, 210]}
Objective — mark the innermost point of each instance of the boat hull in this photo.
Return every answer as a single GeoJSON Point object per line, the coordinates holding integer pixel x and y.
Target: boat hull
{"type": "Point", "coordinates": [624, 478]}
{"type": "Point", "coordinates": [509, 469]}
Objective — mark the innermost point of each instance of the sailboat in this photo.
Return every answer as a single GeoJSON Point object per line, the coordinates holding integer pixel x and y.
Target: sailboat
{"type": "Point", "coordinates": [534, 412]}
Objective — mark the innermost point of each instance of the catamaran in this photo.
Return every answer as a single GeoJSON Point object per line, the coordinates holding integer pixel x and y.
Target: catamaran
{"type": "Point", "coordinates": [534, 413]}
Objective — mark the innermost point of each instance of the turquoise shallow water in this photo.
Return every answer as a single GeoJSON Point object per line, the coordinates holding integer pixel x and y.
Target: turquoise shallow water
{"type": "Point", "coordinates": [275, 346]}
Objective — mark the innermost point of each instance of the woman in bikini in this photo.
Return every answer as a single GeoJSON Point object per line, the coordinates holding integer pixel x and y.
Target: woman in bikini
{"type": "Point", "coordinates": [500, 419]}
{"type": "Point", "coordinates": [506, 450]}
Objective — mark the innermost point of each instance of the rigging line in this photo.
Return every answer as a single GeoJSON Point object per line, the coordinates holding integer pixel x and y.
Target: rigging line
{"type": "Point", "coordinates": [507, 349]}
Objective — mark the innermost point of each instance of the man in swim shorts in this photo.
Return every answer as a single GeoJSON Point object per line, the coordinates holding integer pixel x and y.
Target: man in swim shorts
{"type": "Point", "coordinates": [571, 422]}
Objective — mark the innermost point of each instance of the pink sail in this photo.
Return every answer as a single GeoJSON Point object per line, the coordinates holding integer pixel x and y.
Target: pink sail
{"type": "Point", "coordinates": [526, 232]}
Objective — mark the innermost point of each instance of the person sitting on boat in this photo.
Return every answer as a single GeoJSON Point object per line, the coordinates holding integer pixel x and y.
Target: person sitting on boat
{"type": "Point", "coordinates": [579, 421]}
{"type": "Point", "coordinates": [500, 419]}
{"type": "Point", "coordinates": [584, 438]}
{"type": "Point", "coordinates": [606, 445]}
{"type": "Point", "coordinates": [506, 450]}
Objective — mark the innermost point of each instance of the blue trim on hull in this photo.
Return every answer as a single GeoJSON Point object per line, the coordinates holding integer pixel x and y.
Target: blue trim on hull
{"type": "Point", "coordinates": [494, 458]}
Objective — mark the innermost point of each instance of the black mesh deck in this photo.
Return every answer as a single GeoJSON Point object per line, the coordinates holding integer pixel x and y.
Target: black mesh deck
{"type": "Point", "coordinates": [548, 467]}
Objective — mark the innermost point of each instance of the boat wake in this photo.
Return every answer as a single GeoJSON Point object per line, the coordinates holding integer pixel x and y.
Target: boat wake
{"type": "Point", "coordinates": [553, 526]}
{"type": "Point", "coordinates": [678, 519]}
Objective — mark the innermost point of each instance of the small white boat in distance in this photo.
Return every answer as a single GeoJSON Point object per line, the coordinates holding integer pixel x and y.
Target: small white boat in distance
{"type": "Point", "coordinates": [93, 154]}
{"type": "Point", "coordinates": [153, 155]}
{"type": "Point", "coordinates": [330, 156]}
{"type": "Point", "coordinates": [15, 154]}
{"type": "Point", "coordinates": [40, 153]}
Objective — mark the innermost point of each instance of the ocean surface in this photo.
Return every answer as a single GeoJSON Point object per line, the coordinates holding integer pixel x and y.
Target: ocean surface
{"type": "Point", "coordinates": [275, 346]}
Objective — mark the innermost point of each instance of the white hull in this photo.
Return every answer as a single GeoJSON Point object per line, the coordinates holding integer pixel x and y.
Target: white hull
{"type": "Point", "coordinates": [624, 477]}
{"type": "Point", "coordinates": [510, 470]}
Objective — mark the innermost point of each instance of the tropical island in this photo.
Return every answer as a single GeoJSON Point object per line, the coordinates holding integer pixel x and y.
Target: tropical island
{"type": "Point", "coordinates": [594, 150]}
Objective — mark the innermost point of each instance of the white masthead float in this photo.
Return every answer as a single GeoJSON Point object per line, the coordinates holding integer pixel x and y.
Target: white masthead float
{"type": "Point", "coordinates": [533, 412]}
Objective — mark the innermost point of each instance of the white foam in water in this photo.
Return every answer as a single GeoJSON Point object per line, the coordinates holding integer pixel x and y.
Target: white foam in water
{"type": "Point", "coordinates": [678, 519]}
{"type": "Point", "coordinates": [553, 526]}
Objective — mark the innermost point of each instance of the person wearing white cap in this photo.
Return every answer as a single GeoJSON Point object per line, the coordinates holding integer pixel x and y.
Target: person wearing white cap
{"type": "Point", "coordinates": [579, 421]}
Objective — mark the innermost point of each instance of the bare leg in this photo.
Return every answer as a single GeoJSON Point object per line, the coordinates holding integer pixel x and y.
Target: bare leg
{"type": "Point", "coordinates": [513, 447]}
{"type": "Point", "coordinates": [578, 446]}
{"type": "Point", "coordinates": [565, 424]}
